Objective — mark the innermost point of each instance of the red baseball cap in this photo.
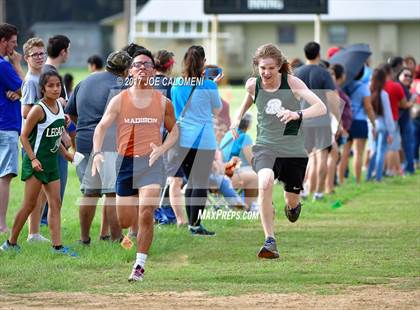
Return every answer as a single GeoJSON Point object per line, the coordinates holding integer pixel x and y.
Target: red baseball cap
{"type": "Point", "coordinates": [331, 51]}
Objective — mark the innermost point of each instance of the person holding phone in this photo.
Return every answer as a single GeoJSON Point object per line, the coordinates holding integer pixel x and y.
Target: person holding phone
{"type": "Point", "coordinates": [215, 73]}
{"type": "Point", "coordinates": [197, 141]}
{"type": "Point", "coordinates": [212, 72]}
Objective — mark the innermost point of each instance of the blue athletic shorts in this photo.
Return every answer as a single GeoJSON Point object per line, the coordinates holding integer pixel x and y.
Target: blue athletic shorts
{"type": "Point", "coordinates": [134, 173]}
{"type": "Point", "coordinates": [358, 130]}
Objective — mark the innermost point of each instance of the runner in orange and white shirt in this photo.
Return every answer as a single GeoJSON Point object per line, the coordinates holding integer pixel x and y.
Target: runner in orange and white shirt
{"type": "Point", "coordinates": [140, 114]}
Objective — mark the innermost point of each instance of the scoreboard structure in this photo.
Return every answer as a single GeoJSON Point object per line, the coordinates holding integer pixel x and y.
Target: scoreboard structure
{"type": "Point", "coordinates": [266, 6]}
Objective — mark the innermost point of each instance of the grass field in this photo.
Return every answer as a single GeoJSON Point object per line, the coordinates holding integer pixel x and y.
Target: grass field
{"type": "Point", "coordinates": [363, 235]}
{"type": "Point", "coordinates": [373, 238]}
{"type": "Point", "coordinates": [78, 73]}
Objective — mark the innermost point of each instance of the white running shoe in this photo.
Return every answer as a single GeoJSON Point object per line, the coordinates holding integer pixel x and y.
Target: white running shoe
{"type": "Point", "coordinates": [254, 208]}
{"type": "Point", "coordinates": [37, 238]}
{"type": "Point", "coordinates": [318, 196]}
{"type": "Point", "coordinates": [304, 193]}
{"type": "Point", "coordinates": [137, 274]}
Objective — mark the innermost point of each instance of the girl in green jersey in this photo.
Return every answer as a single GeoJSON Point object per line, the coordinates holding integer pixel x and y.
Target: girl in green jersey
{"type": "Point", "coordinates": [41, 139]}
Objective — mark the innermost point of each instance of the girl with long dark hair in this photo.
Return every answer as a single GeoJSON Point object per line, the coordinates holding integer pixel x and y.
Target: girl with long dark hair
{"type": "Point", "coordinates": [197, 141]}
{"type": "Point", "coordinates": [384, 124]}
{"type": "Point", "coordinates": [41, 139]}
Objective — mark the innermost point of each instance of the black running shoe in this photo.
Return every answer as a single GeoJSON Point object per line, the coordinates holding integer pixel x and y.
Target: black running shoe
{"type": "Point", "coordinates": [269, 249]}
{"type": "Point", "coordinates": [292, 214]}
{"type": "Point", "coordinates": [105, 238]}
{"type": "Point", "coordinates": [201, 231]}
{"type": "Point", "coordinates": [84, 242]}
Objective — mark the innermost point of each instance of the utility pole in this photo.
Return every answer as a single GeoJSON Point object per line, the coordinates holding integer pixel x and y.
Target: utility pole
{"type": "Point", "coordinates": [213, 39]}
{"type": "Point", "coordinates": [317, 28]}
{"type": "Point", "coordinates": [133, 22]}
{"type": "Point", "coordinates": [127, 19]}
{"type": "Point", "coordinates": [2, 11]}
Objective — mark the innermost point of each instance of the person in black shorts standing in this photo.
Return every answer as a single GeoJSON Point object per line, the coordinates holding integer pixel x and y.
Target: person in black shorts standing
{"type": "Point", "coordinates": [279, 152]}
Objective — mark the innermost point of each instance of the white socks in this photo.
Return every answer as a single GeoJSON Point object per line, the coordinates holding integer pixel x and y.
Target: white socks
{"type": "Point", "coordinates": [141, 259]}
{"type": "Point", "coordinates": [318, 196]}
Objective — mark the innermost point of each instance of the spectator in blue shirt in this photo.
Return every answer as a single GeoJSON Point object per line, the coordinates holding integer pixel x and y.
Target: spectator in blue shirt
{"type": "Point", "coordinates": [197, 141]}
{"type": "Point", "coordinates": [362, 111]}
{"type": "Point", "coordinates": [10, 115]}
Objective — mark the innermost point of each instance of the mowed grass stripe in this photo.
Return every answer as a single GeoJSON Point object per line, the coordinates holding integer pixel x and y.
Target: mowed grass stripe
{"type": "Point", "coordinates": [371, 239]}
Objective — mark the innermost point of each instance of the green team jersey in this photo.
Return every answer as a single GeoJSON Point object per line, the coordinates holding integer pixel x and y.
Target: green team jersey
{"type": "Point", "coordinates": [284, 140]}
{"type": "Point", "coordinates": [45, 140]}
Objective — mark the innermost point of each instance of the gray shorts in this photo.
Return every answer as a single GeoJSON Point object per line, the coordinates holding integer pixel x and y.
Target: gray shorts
{"type": "Point", "coordinates": [9, 152]}
{"type": "Point", "coordinates": [102, 183]}
{"type": "Point", "coordinates": [318, 138]}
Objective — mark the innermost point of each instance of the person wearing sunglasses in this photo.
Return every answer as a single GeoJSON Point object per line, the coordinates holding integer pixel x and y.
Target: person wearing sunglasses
{"type": "Point", "coordinates": [35, 56]}
{"type": "Point", "coordinates": [139, 112]}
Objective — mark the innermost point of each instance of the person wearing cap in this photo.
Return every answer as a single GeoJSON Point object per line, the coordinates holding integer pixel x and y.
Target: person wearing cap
{"type": "Point", "coordinates": [332, 51]}
{"type": "Point", "coordinates": [86, 106]}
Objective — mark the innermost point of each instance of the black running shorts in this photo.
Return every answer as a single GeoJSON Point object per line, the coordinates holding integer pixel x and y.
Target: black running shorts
{"type": "Point", "coordinates": [289, 170]}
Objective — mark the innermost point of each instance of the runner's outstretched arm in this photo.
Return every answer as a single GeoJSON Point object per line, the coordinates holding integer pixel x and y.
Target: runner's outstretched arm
{"type": "Point", "coordinates": [246, 104]}
{"type": "Point", "coordinates": [300, 90]}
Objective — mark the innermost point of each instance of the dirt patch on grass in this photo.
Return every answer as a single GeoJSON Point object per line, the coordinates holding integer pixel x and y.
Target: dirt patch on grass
{"type": "Point", "coordinates": [362, 297]}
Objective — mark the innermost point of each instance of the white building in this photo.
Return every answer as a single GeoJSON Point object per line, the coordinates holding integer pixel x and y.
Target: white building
{"type": "Point", "coordinates": [390, 27]}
